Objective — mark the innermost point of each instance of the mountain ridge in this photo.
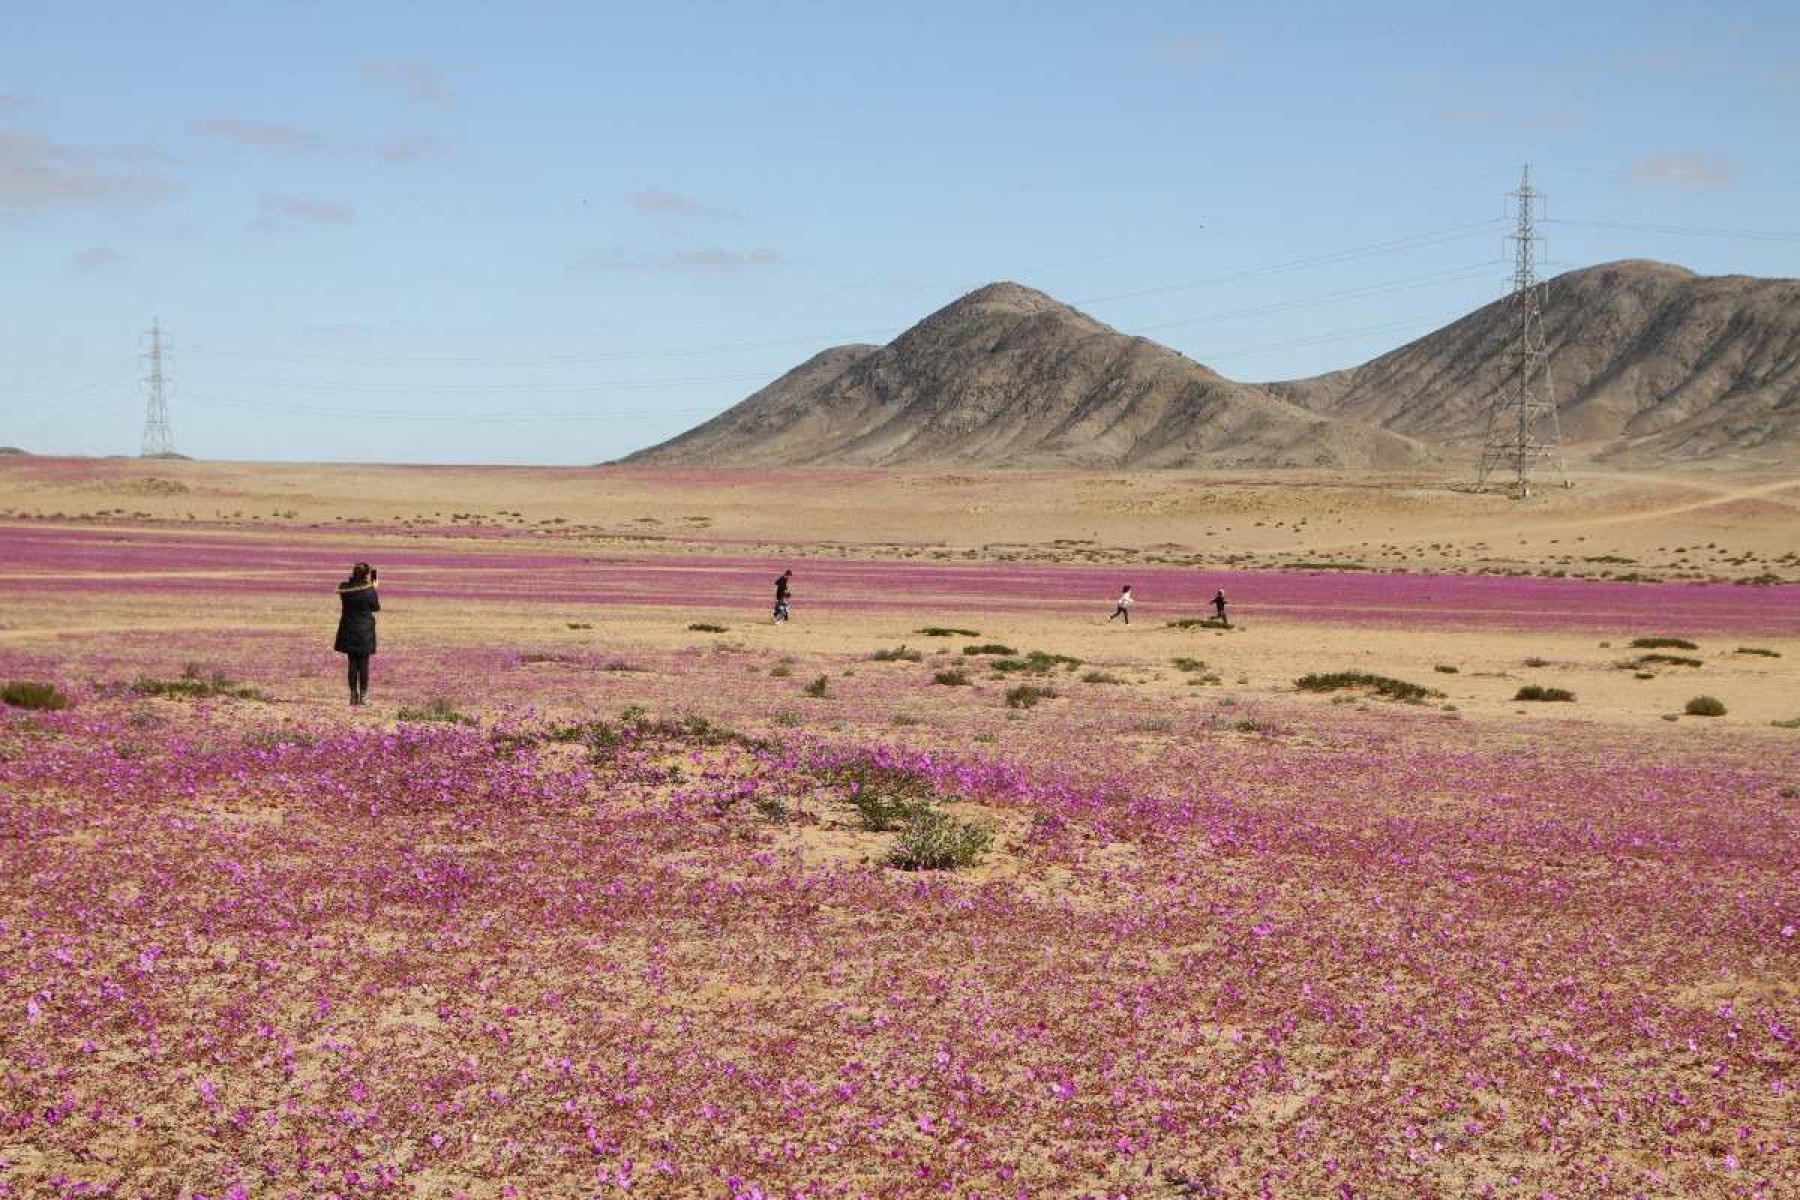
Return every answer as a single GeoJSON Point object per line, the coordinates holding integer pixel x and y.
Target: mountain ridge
{"type": "Point", "coordinates": [1660, 364]}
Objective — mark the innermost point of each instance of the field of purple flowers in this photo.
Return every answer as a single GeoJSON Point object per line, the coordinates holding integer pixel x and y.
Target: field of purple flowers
{"type": "Point", "coordinates": [627, 929]}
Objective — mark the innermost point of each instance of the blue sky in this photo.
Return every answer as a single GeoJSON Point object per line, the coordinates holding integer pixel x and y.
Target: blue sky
{"type": "Point", "coordinates": [560, 232]}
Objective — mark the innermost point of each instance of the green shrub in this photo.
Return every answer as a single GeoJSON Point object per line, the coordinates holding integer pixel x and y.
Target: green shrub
{"type": "Point", "coordinates": [1101, 677]}
{"type": "Point", "coordinates": [579, 625]}
{"type": "Point", "coordinates": [946, 631]}
{"type": "Point", "coordinates": [26, 693]}
{"type": "Point", "coordinates": [899, 653]}
{"type": "Point", "coordinates": [933, 840]}
{"type": "Point", "coordinates": [885, 798]}
{"type": "Point", "coordinates": [772, 808]}
{"type": "Point", "coordinates": [1534, 691]}
{"type": "Point", "coordinates": [989, 648]}
{"type": "Point", "coordinates": [1381, 685]}
{"type": "Point", "coordinates": [1667, 660]}
{"type": "Point", "coordinates": [1188, 664]}
{"type": "Point", "coordinates": [1704, 706]}
{"type": "Point", "coordinates": [439, 710]}
{"type": "Point", "coordinates": [196, 683]}
{"type": "Point", "coordinates": [818, 687]}
{"type": "Point", "coordinates": [1027, 695]}
{"type": "Point", "coordinates": [1038, 662]}
{"type": "Point", "coordinates": [1446, 669]}
{"type": "Point", "coordinates": [1198, 623]}
{"type": "Point", "coordinates": [1535, 661]}
{"type": "Point", "coordinates": [951, 678]}
{"type": "Point", "coordinates": [706, 627]}
{"type": "Point", "coordinates": [1662, 643]}
{"type": "Point", "coordinates": [780, 671]}
{"type": "Point", "coordinates": [1760, 650]}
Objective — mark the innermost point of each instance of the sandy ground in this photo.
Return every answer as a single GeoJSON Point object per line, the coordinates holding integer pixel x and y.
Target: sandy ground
{"type": "Point", "coordinates": [1711, 525]}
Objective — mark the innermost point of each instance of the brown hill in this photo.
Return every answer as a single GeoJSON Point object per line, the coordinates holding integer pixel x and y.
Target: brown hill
{"type": "Point", "coordinates": [1650, 363]}
{"type": "Point", "coordinates": [1008, 377]}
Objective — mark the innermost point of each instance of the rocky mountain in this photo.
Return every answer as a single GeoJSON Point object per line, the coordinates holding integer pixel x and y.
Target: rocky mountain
{"type": "Point", "coordinates": [1008, 377]}
{"type": "Point", "coordinates": [1650, 364]}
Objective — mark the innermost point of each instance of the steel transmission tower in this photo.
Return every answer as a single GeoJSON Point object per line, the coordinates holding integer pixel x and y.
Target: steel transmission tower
{"type": "Point", "coordinates": [1522, 427]}
{"type": "Point", "coordinates": [158, 438]}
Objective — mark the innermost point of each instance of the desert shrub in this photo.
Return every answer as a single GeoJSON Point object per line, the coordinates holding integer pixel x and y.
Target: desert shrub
{"type": "Point", "coordinates": [989, 648]}
{"type": "Point", "coordinates": [1764, 651]}
{"type": "Point", "coordinates": [1662, 643]}
{"type": "Point", "coordinates": [772, 808]}
{"type": "Point", "coordinates": [1027, 695]}
{"type": "Point", "coordinates": [1790, 723]}
{"type": "Point", "coordinates": [439, 710]}
{"type": "Point", "coordinates": [1182, 663]}
{"type": "Point", "coordinates": [1101, 677]}
{"type": "Point", "coordinates": [818, 687]}
{"type": "Point", "coordinates": [1533, 691]}
{"type": "Point", "coordinates": [1667, 660]}
{"type": "Point", "coordinates": [951, 678]}
{"type": "Point", "coordinates": [706, 627]}
{"type": "Point", "coordinates": [619, 665]}
{"type": "Point", "coordinates": [27, 693]}
{"type": "Point", "coordinates": [1446, 669]}
{"type": "Point", "coordinates": [196, 683]}
{"type": "Point", "coordinates": [787, 719]}
{"type": "Point", "coordinates": [780, 671]}
{"type": "Point", "coordinates": [933, 840]}
{"type": "Point", "coordinates": [1381, 685]}
{"type": "Point", "coordinates": [946, 631]}
{"type": "Point", "coordinates": [1198, 623]}
{"type": "Point", "coordinates": [899, 653]}
{"type": "Point", "coordinates": [1038, 662]}
{"type": "Point", "coordinates": [885, 798]}
{"type": "Point", "coordinates": [1535, 661]}
{"type": "Point", "coordinates": [579, 625]}
{"type": "Point", "coordinates": [1704, 706]}
{"type": "Point", "coordinates": [903, 718]}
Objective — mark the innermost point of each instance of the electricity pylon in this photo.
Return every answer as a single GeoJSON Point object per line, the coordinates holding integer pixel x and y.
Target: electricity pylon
{"type": "Point", "coordinates": [1522, 426]}
{"type": "Point", "coordinates": [158, 438]}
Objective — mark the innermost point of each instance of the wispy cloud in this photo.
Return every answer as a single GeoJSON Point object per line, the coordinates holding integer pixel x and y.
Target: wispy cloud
{"type": "Point", "coordinates": [413, 78]}
{"type": "Point", "coordinates": [661, 202]}
{"type": "Point", "coordinates": [97, 258]}
{"type": "Point", "coordinates": [13, 101]}
{"type": "Point", "coordinates": [1693, 171]}
{"type": "Point", "coordinates": [1189, 48]}
{"type": "Point", "coordinates": [411, 148]}
{"type": "Point", "coordinates": [37, 174]}
{"type": "Point", "coordinates": [1538, 120]}
{"type": "Point", "coordinates": [707, 260]}
{"type": "Point", "coordinates": [280, 139]}
{"type": "Point", "coordinates": [275, 213]}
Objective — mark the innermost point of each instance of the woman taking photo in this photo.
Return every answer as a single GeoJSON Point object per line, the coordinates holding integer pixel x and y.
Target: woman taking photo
{"type": "Point", "coordinates": [356, 627]}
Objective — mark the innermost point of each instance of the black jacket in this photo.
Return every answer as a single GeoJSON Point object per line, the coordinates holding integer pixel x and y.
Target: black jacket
{"type": "Point", "coordinates": [356, 628]}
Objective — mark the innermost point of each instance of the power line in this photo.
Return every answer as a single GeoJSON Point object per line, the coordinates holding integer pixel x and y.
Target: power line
{"type": "Point", "coordinates": [402, 415]}
{"type": "Point", "coordinates": [1753, 235]}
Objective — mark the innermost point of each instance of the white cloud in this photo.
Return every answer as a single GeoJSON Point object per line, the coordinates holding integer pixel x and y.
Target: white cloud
{"type": "Point", "coordinates": [411, 148]}
{"type": "Point", "coordinates": [412, 78]}
{"type": "Point", "coordinates": [281, 139]}
{"type": "Point", "coordinates": [97, 258]}
{"type": "Point", "coordinates": [1692, 170]}
{"type": "Point", "coordinates": [291, 212]}
{"type": "Point", "coordinates": [706, 260]}
{"type": "Point", "coordinates": [37, 174]}
{"type": "Point", "coordinates": [661, 202]}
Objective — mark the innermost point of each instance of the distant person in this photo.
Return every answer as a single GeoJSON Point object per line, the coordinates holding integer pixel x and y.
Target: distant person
{"type": "Point", "coordinates": [356, 627]}
{"type": "Point", "coordinates": [1218, 603]}
{"type": "Point", "coordinates": [781, 596]}
{"type": "Point", "coordinates": [1124, 605]}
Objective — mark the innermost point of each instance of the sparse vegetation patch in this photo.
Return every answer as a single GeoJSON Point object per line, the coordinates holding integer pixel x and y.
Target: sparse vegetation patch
{"type": "Point", "coordinates": [1381, 685]}
{"type": "Point", "coordinates": [27, 693]}
{"type": "Point", "coordinates": [1533, 691]}
{"type": "Point", "coordinates": [1662, 643]}
{"type": "Point", "coordinates": [1704, 706]}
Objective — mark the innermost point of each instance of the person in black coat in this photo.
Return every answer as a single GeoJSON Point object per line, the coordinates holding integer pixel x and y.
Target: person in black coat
{"type": "Point", "coordinates": [356, 627]}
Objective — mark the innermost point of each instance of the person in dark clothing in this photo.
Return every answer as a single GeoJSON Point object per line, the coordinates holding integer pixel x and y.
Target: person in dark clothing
{"type": "Point", "coordinates": [781, 595]}
{"type": "Point", "coordinates": [1218, 603]}
{"type": "Point", "coordinates": [356, 627]}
